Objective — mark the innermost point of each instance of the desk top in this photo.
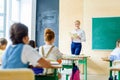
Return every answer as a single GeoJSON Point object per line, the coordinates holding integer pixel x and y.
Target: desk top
{"type": "Point", "coordinates": [115, 68]}
{"type": "Point", "coordinates": [56, 66]}
{"type": "Point", "coordinates": [74, 57]}
{"type": "Point", "coordinates": [106, 59]}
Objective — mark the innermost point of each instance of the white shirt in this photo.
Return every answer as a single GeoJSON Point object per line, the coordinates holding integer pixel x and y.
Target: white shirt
{"type": "Point", "coordinates": [29, 54]}
{"type": "Point", "coordinates": [54, 54]}
{"type": "Point", "coordinates": [116, 52]}
{"type": "Point", "coordinates": [81, 34]}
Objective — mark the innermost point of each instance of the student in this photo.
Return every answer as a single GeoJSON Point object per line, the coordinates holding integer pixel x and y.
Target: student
{"type": "Point", "coordinates": [77, 37]}
{"type": "Point", "coordinates": [33, 44]}
{"type": "Point", "coordinates": [19, 54]}
{"type": "Point", "coordinates": [49, 51]}
{"type": "Point", "coordinates": [3, 44]}
{"type": "Point", "coordinates": [115, 54]}
{"type": "Point", "coordinates": [115, 57]}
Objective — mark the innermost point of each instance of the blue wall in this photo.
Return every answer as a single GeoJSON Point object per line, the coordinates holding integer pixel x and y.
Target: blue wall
{"type": "Point", "coordinates": [47, 16]}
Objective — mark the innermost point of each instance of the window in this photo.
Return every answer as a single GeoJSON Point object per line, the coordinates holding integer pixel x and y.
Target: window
{"type": "Point", "coordinates": [2, 17]}
{"type": "Point", "coordinates": [15, 10]}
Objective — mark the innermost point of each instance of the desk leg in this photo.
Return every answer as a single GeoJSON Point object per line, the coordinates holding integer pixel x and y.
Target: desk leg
{"type": "Point", "coordinates": [85, 68]}
{"type": "Point", "coordinates": [110, 75]}
{"type": "Point", "coordinates": [56, 74]}
{"type": "Point", "coordinates": [118, 75]}
{"type": "Point", "coordinates": [67, 76]}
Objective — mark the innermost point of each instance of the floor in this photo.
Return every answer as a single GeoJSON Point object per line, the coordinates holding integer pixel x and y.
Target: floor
{"type": "Point", "coordinates": [96, 77]}
{"type": "Point", "coordinates": [89, 77]}
{"type": "Point", "coordinates": [92, 77]}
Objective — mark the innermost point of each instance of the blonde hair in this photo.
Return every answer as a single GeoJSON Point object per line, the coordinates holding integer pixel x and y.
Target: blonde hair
{"type": "Point", "coordinates": [117, 43]}
{"type": "Point", "coordinates": [49, 34]}
{"type": "Point", "coordinates": [77, 21]}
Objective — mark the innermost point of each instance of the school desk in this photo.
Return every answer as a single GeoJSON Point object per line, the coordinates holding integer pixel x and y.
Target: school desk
{"type": "Point", "coordinates": [81, 60]}
{"type": "Point", "coordinates": [110, 64]}
{"type": "Point", "coordinates": [116, 69]}
{"type": "Point", "coordinates": [53, 76]}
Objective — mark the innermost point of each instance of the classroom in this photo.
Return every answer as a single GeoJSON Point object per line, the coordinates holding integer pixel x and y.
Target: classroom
{"type": "Point", "coordinates": [63, 16]}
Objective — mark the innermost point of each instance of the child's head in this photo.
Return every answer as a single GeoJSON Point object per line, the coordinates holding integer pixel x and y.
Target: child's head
{"type": "Point", "coordinates": [32, 43]}
{"type": "Point", "coordinates": [118, 43]}
{"type": "Point", "coordinates": [19, 33]}
{"type": "Point", "coordinates": [77, 23]}
{"type": "Point", "coordinates": [49, 35]}
{"type": "Point", "coordinates": [3, 43]}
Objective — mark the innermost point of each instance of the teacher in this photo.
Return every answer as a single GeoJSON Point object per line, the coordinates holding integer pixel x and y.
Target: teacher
{"type": "Point", "coordinates": [77, 37]}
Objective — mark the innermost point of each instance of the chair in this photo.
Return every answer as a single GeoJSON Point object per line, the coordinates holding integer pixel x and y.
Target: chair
{"type": "Point", "coordinates": [16, 74]}
{"type": "Point", "coordinates": [53, 76]}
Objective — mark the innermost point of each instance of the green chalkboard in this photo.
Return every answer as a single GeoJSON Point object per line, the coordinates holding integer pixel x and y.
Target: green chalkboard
{"type": "Point", "coordinates": [105, 32]}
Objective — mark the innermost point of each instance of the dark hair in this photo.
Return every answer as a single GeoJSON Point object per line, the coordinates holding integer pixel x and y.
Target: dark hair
{"type": "Point", "coordinates": [3, 41]}
{"type": "Point", "coordinates": [17, 32]}
{"type": "Point", "coordinates": [48, 34]}
{"type": "Point", "coordinates": [32, 43]}
{"type": "Point", "coordinates": [117, 43]}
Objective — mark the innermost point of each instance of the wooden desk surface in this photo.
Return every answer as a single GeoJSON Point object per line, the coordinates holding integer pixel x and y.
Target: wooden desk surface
{"type": "Point", "coordinates": [106, 59]}
{"type": "Point", "coordinates": [56, 66]}
{"type": "Point", "coordinates": [74, 57]}
{"type": "Point", "coordinates": [115, 68]}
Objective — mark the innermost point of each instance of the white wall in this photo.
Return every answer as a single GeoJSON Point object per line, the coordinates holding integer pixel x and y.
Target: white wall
{"type": "Point", "coordinates": [85, 10]}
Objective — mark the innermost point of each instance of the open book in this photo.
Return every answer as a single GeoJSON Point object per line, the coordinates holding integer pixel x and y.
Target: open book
{"type": "Point", "coordinates": [54, 63]}
{"type": "Point", "coordinates": [74, 35]}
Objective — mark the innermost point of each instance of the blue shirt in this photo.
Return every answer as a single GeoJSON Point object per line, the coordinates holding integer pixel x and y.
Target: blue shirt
{"type": "Point", "coordinates": [12, 57]}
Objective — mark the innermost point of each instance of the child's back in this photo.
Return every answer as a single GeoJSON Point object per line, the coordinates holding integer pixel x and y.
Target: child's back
{"type": "Point", "coordinates": [54, 54]}
{"type": "Point", "coordinates": [49, 51]}
{"type": "Point", "coordinates": [3, 44]}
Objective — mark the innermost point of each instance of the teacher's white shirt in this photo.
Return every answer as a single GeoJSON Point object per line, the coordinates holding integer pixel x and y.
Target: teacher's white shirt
{"type": "Point", "coordinates": [81, 34]}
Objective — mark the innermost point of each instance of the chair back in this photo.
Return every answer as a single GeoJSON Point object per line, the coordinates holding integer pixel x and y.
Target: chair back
{"type": "Point", "coordinates": [16, 74]}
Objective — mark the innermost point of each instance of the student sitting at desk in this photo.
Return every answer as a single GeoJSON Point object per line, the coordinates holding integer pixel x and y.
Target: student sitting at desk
{"type": "Point", "coordinates": [49, 51]}
{"type": "Point", "coordinates": [3, 44]}
{"type": "Point", "coordinates": [19, 54]}
{"type": "Point", "coordinates": [115, 54]}
{"type": "Point", "coordinates": [33, 44]}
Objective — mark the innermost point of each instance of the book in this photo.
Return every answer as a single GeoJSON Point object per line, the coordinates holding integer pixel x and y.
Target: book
{"type": "Point", "coordinates": [54, 63]}
{"type": "Point", "coordinates": [74, 35]}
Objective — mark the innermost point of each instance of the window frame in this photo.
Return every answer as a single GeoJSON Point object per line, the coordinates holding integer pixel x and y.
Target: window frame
{"type": "Point", "coordinates": [4, 19]}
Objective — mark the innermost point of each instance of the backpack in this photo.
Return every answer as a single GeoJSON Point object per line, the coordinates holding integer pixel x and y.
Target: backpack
{"type": "Point", "coordinates": [75, 73]}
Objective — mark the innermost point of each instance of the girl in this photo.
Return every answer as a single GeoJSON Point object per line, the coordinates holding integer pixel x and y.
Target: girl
{"type": "Point", "coordinates": [115, 54]}
{"type": "Point", "coordinates": [77, 37]}
{"type": "Point", "coordinates": [19, 54]}
{"type": "Point", "coordinates": [33, 44]}
{"type": "Point", "coordinates": [49, 51]}
{"type": "Point", "coordinates": [3, 44]}
{"type": "Point", "coordinates": [115, 57]}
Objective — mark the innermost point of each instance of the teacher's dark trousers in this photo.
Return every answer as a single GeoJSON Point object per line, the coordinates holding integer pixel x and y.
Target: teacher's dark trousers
{"type": "Point", "coordinates": [76, 48]}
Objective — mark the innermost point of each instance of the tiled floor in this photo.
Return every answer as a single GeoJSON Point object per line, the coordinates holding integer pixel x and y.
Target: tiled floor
{"type": "Point", "coordinates": [96, 77]}
{"type": "Point", "coordinates": [89, 77]}
{"type": "Point", "coordinates": [93, 77]}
